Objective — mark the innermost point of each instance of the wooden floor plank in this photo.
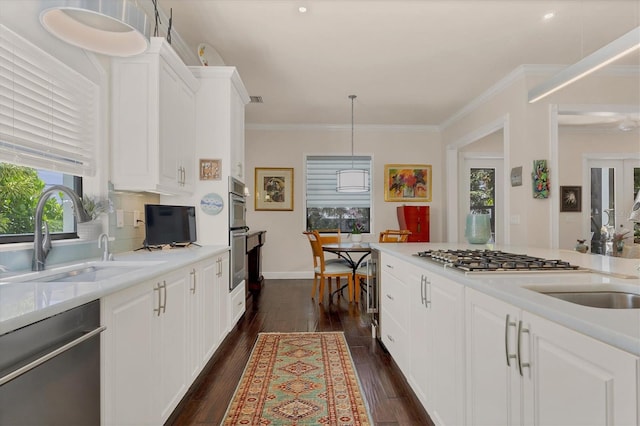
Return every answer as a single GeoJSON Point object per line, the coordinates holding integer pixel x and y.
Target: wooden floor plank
{"type": "Point", "coordinates": [286, 306]}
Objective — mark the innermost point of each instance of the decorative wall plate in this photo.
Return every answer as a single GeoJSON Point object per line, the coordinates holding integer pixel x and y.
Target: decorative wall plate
{"type": "Point", "coordinates": [209, 57]}
{"type": "Point", "coordinates": [211, 204]}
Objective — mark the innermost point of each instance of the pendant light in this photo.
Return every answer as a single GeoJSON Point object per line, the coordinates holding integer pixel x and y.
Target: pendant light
{"type": "Point", "coordinates": [113, 28]}
{"type": "Point", "coordinates": [352, 180]}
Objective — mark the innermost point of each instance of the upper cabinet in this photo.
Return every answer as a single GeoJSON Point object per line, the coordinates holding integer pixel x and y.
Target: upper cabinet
{"type": "Point", "coordinates": [220, 103]}
{"type": "Point", "coordinates": [153, 122]}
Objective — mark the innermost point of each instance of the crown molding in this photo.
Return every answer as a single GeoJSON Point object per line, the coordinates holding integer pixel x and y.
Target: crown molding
{"type": "Point", "coordinates": [341, 127]}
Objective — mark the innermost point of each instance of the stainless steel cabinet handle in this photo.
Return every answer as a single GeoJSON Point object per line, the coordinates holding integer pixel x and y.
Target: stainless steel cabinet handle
{"type": "Point", "coordinates": [389, 266]}
{"type": "Point", "coordinates": [390, 338]}
{"type": "Point", "coordinates": [423, 290]}
{"type": "Point", "coordinates": [506, 340]}
{"type": "Point", "coordinates": [193, 275]}
{"type": "Point", "coordinates": [164, 290]}
{"type": "Point", "coordinates": [33, 364]}
{"type": "Point", "coordinates": [521, 364]}
{"type": "Point", "coordinates": [427, 292]}
{"type": "Point", "coordinates": [390, 297]}
{"type": "Point", "coordinates": [157, 288]}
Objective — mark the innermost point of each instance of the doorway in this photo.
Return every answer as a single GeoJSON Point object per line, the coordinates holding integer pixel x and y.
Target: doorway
{"type": "Point", "coordinates": [613, 185]}
{"type": "Point", "coordinates": [482, 192]}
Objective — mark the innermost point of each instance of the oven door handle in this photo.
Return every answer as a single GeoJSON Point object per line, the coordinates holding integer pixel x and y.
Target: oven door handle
{"type": "Point", "coordinates": [239, 234]}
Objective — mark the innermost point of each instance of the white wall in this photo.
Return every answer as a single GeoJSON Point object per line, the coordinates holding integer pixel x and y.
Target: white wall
{"type": "Point", "coordinates": [529, 134]}
{"type": "Point", "coordinates": [287, 253]}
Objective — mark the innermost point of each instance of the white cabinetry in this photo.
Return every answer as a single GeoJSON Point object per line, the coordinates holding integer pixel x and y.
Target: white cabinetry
{"type": "Point", "coordinates": [145, 351]}
{"type": "Point", "coordinates": [160, 335]}
{"type": "Point", "coordinates": [436, 370]}
{"type": "Point", "coordinates": [523, 369]}
{"type": "Point", "coordinates": [238, 304]}
{"type": "Point", "coordinates": [422, 326]}
{"type": "Point", "coordinates": [153, 122]}
{"type": "Point", "coordinates": [394, 315]}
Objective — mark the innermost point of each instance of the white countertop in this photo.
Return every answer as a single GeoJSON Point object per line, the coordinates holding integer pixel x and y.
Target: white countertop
{"type": "Point", "coordinates": [23, 303]}
{"type": "Point", "coordinates": [617, 327]}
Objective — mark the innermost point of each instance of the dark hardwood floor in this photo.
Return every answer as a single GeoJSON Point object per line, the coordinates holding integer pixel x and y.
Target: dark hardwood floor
{"type": "Point", "coordinates": [285, 306]}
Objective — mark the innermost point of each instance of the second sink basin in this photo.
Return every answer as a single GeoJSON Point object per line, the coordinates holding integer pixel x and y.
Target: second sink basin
{"type": "Point", "coordinates": [600, 299]}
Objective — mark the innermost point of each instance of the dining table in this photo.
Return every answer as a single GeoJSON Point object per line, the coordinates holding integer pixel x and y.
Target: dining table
{"type": "Point", "coordinates": [353, 253]}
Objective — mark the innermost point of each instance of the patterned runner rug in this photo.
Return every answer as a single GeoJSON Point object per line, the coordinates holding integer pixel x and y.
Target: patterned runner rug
{"type": "Point", "coordinates": [299, 379]}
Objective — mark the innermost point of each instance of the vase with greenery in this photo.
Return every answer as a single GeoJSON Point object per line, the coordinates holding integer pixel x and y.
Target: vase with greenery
{"type": "Point", "coordinates": [94, 206]}
{"type": "Point", "coordinates": [356, 232]}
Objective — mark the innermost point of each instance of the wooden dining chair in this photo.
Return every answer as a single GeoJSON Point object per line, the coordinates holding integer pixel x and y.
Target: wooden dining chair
{"type": "Point", "coordinates": [322, 269]}
{"type": "Point", "coordinates": [394, 236]}
{"type": "Point", "coordinates": [330, 236]}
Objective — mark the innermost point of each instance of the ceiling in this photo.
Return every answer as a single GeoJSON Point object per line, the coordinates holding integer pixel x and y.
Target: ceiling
{"type": "Point", "coordinates": [410, 62]}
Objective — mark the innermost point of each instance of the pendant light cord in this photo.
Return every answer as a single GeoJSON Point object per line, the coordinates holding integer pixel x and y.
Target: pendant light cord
{"type": "Point", "coordinates": [352, 97]}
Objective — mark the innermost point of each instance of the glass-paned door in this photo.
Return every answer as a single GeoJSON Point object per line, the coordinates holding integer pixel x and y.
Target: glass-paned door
{"type": "Point", "coordinates": [482, 192]}
{"type": "Point", "coordinates": [613, 186]}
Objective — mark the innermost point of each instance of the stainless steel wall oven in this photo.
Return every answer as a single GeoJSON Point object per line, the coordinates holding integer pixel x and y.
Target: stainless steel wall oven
{"type": "Point", "coordinates": [237, 232]}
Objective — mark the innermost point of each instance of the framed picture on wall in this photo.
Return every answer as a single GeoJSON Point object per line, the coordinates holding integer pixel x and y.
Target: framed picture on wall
{"type": "Point", "coordinates": [571, 198]}
{"type": "Point", "coordinates": [210, 169]}
{"type": "Point", "coordinates": [274, 188]}
{"type": "Point", "coordinates": [407, 182]}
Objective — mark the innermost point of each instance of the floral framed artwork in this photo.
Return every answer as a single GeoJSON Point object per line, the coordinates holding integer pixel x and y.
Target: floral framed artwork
{"type": "Point", "coordinates": [210, 169]}
{"type": "Point", "coordinates": [407, 182]}
{"type": "Point", "coordinates": [571, 199]}
{"type": "Point", "coordinates": [273, 188]}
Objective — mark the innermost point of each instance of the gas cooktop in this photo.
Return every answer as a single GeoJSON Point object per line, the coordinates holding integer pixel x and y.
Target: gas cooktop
{"type": "Point", "coordinates": [483, 261]}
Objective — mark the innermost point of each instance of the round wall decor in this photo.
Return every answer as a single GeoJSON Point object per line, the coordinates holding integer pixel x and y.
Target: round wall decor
{"type": "Point", "coordinates": [211, 204]}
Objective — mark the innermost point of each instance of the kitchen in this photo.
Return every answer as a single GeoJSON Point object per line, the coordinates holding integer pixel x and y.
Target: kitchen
{"type": "Point", "coordinates": [262, 141]}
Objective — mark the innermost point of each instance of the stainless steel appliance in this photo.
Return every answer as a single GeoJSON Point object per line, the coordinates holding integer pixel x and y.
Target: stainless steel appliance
{"type": "Point", "coordinates": [372, 298]}
{"type": "Point", "coordinates": [484, 261]}
{"type": "Point", "coordinates": [50, 370]}
{"type": "Point", "coordinates": [237, 232]}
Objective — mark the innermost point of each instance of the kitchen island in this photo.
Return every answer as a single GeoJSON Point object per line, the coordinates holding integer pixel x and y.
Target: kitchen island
{"type": "Point", "coordinates": [492, 349]}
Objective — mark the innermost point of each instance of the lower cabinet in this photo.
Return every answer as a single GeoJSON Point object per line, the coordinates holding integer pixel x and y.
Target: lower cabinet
{"type": "Point", "coordinates": [473, 359]}
{"type": "Point", "coordinates": [437, 347]}
{"type": "Point", "coordinates": [524, 369]}
{"type": "Point", "coordinates": [160, 334]}
{"type": "Point", "coordinates": [238, 304]}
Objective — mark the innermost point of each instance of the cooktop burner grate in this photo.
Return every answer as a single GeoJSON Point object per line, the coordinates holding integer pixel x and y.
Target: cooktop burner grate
{"type": "Point", "coordinates": [471, 261]}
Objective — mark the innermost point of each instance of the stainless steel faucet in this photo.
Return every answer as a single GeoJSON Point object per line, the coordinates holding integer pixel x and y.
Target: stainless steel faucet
{"type": "Point", "coordinates": [42, 243]}
{"type": "Point", "coordinates": [105, 254]}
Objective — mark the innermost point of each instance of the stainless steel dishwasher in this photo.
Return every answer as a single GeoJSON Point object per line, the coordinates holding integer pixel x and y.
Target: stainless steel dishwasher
{"type": "Point", "coordinates": [50, 370]}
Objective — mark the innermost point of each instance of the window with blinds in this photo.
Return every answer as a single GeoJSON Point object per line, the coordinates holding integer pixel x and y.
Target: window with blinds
{"type": "Point", "coordinates": [325, 207]}
{"type": "Point", "coordinates": [48, 111]}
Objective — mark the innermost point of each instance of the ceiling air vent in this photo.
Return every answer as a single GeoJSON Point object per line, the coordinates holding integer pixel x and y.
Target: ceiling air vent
{"type": "Point", "coordinates": [256, 99]}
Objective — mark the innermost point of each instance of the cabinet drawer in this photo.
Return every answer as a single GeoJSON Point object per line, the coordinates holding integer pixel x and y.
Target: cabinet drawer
{"type": "Point", "coordinates": [395, 339]}
{"type": "Point", "coordinates": [394, 298]}
{"type": "Point", "coordinates": [403, 271]}
{"type": "Point", "coordinates": [238, 303]}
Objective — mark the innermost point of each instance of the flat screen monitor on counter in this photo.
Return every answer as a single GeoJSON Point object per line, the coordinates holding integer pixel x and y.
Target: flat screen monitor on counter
{"type": "Point", "coordinates": [173, 225]}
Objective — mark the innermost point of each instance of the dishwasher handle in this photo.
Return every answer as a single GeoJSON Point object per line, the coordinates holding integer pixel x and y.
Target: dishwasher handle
{"type": "Point", "coordinates": [33, 364]}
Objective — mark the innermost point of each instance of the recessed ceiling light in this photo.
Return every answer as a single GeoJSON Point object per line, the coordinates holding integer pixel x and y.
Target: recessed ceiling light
{"type": "Point", "coordinates": [302, 9]}
{"type": "Point", "coordinates": [548, 16]}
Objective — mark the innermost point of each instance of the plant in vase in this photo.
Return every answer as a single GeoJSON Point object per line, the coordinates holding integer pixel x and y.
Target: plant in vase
{"type": "Point", "coordinates": [356, 232]}
{"type": "Point", "coordinates": [94, 206]}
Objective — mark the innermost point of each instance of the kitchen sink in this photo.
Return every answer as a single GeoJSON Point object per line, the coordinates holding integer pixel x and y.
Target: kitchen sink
{"type": "Point", "coordinates": [599, 299]}
{"type": "Point", "coordinates": [84, 272]}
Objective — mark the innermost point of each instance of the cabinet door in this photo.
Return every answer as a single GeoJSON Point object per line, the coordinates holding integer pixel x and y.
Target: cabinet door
{"type": "Point", "coordinates": [574, 379]}
{"type": "Point", "coordinates": [493, 387]}
{"type": "Point", "coordinates": [446, 346]}
{"type": "Point", "coordinates": [208, 285]}
{"type": "Point", "coordinates": [170, 138]}
{"type": "Point", "coordinates": [238, 303]}
{"type": "Point", "coordinates": [185, 123]}
{"type": "Point", "coordinates": [420, 356]}
{"type": "Point", "coordinates": [224, 298]}
{"type": "Point", "coordinates": [129, 362]}
{"type": "Point", "coordinates": [172, 345]}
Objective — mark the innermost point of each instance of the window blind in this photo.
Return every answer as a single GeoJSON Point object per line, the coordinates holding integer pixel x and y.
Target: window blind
{"type": "Point", "coordinates": [48, 111]}
{"type": "Point", "coordinates": [321, 181]}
